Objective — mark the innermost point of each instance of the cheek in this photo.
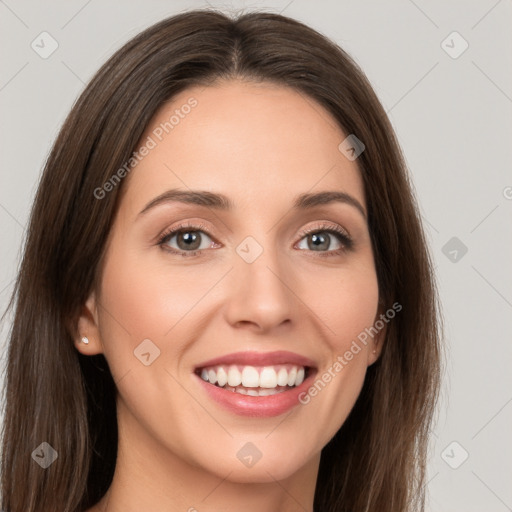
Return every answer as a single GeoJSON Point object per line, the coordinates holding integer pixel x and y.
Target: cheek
{"type": "Point", "coordinates": [148, 298]}
{"type": "Point", "coordinates": [346, 301]}
{"type": "Point", "coordinates": [347, 304]}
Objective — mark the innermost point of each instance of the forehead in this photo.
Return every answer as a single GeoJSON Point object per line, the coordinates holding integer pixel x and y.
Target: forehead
{"type": "Point", "coordinates": [250, 141]}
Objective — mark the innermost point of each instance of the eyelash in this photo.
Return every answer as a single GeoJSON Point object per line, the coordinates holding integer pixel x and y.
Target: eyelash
{"type": "Point", "coordinates": [341, 234]}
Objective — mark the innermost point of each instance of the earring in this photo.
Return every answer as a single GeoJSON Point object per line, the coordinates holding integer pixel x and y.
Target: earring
{"type": "Point", "coordinates": [85, 340]}
{"type": "Point", "coordinates": [374, 351]}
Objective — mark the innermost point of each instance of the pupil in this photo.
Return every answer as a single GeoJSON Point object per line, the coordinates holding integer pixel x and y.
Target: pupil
{"type": "Point", "coordinates": [192, 241]}
{"type": "Point", "coordinates": [321, 241]}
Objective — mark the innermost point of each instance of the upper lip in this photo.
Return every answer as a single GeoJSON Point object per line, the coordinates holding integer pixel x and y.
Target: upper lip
{"type": "Point", "coordinates": [254, 358]}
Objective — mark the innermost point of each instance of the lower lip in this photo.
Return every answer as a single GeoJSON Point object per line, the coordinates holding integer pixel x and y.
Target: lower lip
{"type": "Point", "coordinates": [257, 406]}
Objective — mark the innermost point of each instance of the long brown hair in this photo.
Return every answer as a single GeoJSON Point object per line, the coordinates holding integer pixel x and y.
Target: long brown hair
{"type": "Point", "coordinates": [376, 461]}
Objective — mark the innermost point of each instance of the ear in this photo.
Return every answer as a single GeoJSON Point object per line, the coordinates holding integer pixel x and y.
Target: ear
{"type": "Point", "coordinates": [378, 339]}
{"type": "Point", "coordinates": [88, 326]}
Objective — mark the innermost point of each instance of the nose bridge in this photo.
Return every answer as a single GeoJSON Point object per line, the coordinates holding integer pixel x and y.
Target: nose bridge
{"type": "Point", "coordinates": [260, 292]}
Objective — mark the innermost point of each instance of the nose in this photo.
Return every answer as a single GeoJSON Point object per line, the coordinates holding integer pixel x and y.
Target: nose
{"type": "Point", "coordinates": [260, 294]}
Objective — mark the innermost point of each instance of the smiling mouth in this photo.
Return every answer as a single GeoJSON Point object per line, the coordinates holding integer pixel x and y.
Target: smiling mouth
{"type": "Point", "coordinates": [255, 380]}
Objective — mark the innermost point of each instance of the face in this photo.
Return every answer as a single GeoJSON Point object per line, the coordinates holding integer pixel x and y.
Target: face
{"type": "Point", "coordinates": [211, 316]}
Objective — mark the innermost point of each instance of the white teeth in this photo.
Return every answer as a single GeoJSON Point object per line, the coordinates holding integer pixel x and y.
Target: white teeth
{"type": "Point", "coordinates": [292, 374]}
{"type": "Point", "coordinates": [254, 392]}
{"type": "Point", "coordinates": [222, 377]}
{"type": "Point", "coordinates": [250, 377]}
{"type": "Point", "coordinates": [282, 377]}
{"type": "Point", "coordinates": [266, 379]}
{"type": "Point", "coordinates": [234, 376]}
{"type": "Point", "coordinates": [268, 392]}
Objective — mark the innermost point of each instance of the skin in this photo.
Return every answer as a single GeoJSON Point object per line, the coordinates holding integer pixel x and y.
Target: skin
{"type": "Point", "coordinates": [261, 145]}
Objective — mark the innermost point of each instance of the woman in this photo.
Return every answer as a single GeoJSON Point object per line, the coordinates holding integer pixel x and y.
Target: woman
{"type": "Point", "coordinates": [225, 299]}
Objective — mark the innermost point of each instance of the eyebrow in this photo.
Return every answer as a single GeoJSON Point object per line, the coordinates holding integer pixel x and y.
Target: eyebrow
{"type": "Point", "coordinates": [221, 202]}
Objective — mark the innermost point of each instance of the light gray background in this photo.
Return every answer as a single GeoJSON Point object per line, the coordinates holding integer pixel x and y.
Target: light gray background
{"type": "Point", "coordinates": [453, 120]}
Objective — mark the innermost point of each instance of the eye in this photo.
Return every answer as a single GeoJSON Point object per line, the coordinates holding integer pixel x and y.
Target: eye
{"type": "Point", "coordinates": [321, 239]}
{"type": "Point", "coordinates": [185, 240]}
{"type": "Point", "coordinates": [190, 240]}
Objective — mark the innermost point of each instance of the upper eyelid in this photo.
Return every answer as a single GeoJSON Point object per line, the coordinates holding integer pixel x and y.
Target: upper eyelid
{"type": "Point", "coordinates": [326, 226]}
